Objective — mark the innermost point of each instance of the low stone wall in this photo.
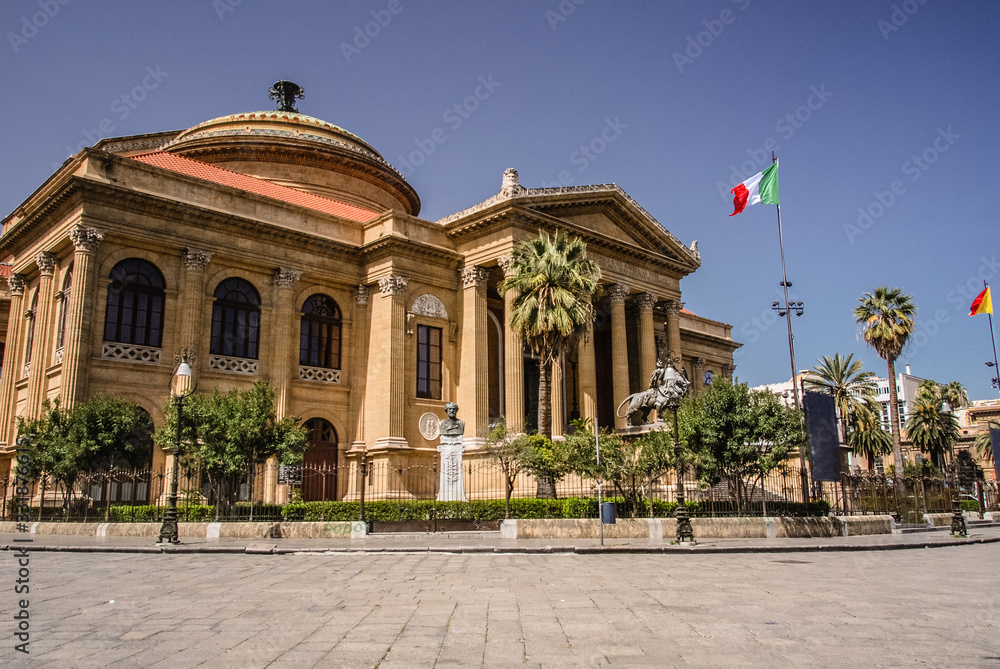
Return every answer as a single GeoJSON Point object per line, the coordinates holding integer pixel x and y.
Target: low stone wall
{"type": "Point", "coordinates": [265, 530]}
{"type": "Point", "coordinates": [861, 525]}
{"type": "Point", "coordinates": [938, 519]}
{"type": "Point", "coordinates": [706, 528]}
{"type": "Point", "coordinates": [798, 528]}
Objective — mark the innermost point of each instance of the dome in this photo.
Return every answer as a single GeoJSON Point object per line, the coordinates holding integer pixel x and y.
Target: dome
{"type": "Point", "coordinates": [299, 151]}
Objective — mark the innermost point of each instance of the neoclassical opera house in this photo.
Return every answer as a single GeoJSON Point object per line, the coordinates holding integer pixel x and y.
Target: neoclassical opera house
{"type": "Point", "coordinates": [274, 245]}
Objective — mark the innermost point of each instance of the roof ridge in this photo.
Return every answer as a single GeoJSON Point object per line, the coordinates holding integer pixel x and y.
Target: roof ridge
{"type": "Point", "coordinates": [292, 194]}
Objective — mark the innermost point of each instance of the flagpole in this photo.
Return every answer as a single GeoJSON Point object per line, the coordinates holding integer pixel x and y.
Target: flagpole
{"type": "Point", "coordinates": [803, 473]}
{"type": "Point", "coordinates": [993, 339]}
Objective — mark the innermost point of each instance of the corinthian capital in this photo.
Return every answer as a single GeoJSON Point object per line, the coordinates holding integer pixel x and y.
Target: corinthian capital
{"type": "Point", "coordinates": [393, 285]}
{"type": "Point", "coordinates": [16, 284]}
{"type": "Point", "coordinates": [86, 239]}
{"type": "Point", "coordinates": [196, 260]}
{"type": "Point", "coordinates": [506, 264]}
{"type": "Point", "coordinates": [361, 293]}
{"type": "Point", "coordinates": [46, 262]}
{"type": "Point", "coordinates": [618, 292]}
{"type": "Point", "coordinates": [286, 278]}
{"type": "Point", "coordinates": [473, 276]}
{"type": "Point", "coordinates": [673, 308]}
{"type": "Point", "coordinates": [647, 301]}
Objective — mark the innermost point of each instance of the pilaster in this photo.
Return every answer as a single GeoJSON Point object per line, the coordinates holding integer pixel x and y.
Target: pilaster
{"type": "Point", "coordinates": [40, 354]}
{"type": "Point", "coordinates": [386, 388]}
{"type": "Point", "coordinates": [361, 328]}
{"type": "Point", "coordinates": [12, 357]}
{"type": "Point", "coordinates": [192, 306]}
{"type": "Point", "coordinates": [619, 347]}
{"type": "Point", "coordinates": [285, 337]}
{"type": "Point", "coordinates": [473, 386]}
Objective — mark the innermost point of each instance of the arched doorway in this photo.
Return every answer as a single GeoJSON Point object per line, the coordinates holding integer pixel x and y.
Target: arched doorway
{"type": "Point", "coordinates": [320, 463]}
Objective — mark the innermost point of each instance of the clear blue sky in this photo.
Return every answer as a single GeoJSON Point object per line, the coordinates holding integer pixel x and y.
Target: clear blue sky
{"type": "Point", "coordinates": [861, 98]}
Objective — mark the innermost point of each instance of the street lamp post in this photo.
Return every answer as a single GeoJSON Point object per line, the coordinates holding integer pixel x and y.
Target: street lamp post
{"type": "Point", "coordinates": [168, 530]}
{"type": "Point", "coordinates": [958, 527]}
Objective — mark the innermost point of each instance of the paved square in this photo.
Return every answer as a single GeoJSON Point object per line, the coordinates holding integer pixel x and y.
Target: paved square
{"type": "Point", "coordinates": [935, 607]}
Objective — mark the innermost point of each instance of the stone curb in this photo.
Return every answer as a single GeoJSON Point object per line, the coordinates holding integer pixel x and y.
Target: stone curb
{"type": "Point", "coordinates": [522, 550]}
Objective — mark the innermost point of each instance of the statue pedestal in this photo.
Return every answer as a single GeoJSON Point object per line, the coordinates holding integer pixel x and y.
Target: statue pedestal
{"type": "Point", "coordinates": [451, 487]}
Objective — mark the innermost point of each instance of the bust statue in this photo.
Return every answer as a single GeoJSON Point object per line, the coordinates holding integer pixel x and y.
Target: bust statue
{"type": "Point", "coordinates": [451, 426]}
{"type": "Point", "coordinates": [451, 487]}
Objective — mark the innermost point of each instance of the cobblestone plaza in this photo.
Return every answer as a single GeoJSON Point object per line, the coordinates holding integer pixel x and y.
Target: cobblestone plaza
{"type": "Point", "coordinates": [931, 607]}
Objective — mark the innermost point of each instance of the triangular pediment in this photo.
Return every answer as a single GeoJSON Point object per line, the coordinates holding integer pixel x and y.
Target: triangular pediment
{"type": "Point", "coordinates": [603, 213]}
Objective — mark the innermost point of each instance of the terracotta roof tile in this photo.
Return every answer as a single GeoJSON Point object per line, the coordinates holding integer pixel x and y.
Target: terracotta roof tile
{"type": "Point", "coordinates": [251, 184]}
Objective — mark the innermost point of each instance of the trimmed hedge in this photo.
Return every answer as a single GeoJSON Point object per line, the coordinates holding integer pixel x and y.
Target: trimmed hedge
{"type": "Point", "coordinates": [406, 510]}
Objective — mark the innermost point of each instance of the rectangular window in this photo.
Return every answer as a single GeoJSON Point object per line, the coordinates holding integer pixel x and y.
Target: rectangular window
{"type": "Point", "coordinates": [428, 362]}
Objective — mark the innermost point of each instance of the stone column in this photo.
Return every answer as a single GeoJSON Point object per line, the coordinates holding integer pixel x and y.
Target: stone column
{"type": "Point", "coordinates": [556, 403]}
{"type": "Point", "coordinates": [360, 329]}
{"type": "Point", "coordinates": [727, 371]}
{"type": "Point", "coordinates": [587, 374]}
{"type": "Point", "coordinates": [473, 386]}
{"type": "Point", "coordinates": [513, 360]}
{"type": "Point", "coordinates": [386, 387]}
{"type": "Point", "coordinates": [698, 367]}
{"type": "Point", "coordinates": [619, 347]}
{"type": "Point", "coordinates": [286, 337]}
{"type": "Point", "coordinates": [40, 354]}
{"type": "Point", "coordinates": [674, 332]}
{"type": "Point", "coordinates": [12, 357]}
{"type": "Point", "coordinates": [647, 338]}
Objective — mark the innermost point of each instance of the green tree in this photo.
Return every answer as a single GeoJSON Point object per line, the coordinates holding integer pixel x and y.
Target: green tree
{"type": "Point", "coordinates": [630, 465]}
{"type": "Point", "coordinates": [511, 453]}
{"type": "Point", "coordinates": [741, 435]}
{"type": "Point", "coordinates": [101, 433]}
{"type": "Point", "coordinates": [931, 429]}
{"type": "Point", "coordinates": [552, 279]}
{"type": "Point", "coordinates": [548, 461]}
{"type": "Point", "coordinates": [227, 435]}
{"type": "Point", "coordinates": [885, 317]}
{"type": "Point", "coordinates": [844, 380]}
{"type": "Point", "coordinates": [983, 445]}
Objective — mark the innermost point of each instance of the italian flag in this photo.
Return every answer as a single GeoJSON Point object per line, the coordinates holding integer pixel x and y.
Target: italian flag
{"type": "Point", "coordinates": [761, 187]}
{"type": "Point", "coordinates": [983, 304]}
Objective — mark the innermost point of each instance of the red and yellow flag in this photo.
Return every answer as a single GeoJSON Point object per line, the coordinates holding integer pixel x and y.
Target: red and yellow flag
{"type": "Point", "coordinates": [983, 304]}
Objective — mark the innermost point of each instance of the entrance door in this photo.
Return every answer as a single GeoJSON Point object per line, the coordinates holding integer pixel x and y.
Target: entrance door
{"type": "Point", "coordinates": [319, 466]}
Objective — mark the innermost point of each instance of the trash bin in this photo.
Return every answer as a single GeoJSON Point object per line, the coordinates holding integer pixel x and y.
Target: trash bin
{"type": "Point", "coordinates": [608, 513]}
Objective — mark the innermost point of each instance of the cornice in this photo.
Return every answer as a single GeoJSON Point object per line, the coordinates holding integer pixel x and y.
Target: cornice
{"type": "Point", "coordinates": [714, 340]}
{"type": "Point", "coordinates": [385, 247]}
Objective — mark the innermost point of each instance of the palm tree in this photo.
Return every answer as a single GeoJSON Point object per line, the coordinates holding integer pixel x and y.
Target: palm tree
{"type": "Point", "coordinates": [866, 437]}
{"type": "Point", "coordinates": [955, 395]}
{"type": "Point", "coordinates": [984, 445]}
{"type": "Point", "coordinates": [553, 280]}
{"type": "Point", "coordinates": [843, 379]}
{"type": "Point", "coordinates": [931, 429]}
{"type": "Point", "coordinates": [886, 319]}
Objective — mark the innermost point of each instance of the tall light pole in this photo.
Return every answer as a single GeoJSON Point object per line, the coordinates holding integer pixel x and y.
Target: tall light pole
{"type": "Point", "coordinates": [168, 530]}
{"type": "Point", "coordinates": [958, 527]}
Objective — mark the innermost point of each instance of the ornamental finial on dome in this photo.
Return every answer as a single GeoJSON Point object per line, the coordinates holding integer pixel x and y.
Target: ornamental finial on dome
{"type": "Point", "coordinates": [287, 92]}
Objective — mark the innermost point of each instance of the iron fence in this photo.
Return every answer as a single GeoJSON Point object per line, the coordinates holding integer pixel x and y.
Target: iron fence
{"type": "Point", "coordinates": [268, 494]}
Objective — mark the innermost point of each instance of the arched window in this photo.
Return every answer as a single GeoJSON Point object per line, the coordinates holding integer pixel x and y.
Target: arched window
{"type": "Point", "coordinates": [236, 319]}
{"type": "Point", "coordinates": [67, 290]}
{"type": "Point", "coordinates": [135, 304]}
{"type": "Point", "coordinates": [319, 341]}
